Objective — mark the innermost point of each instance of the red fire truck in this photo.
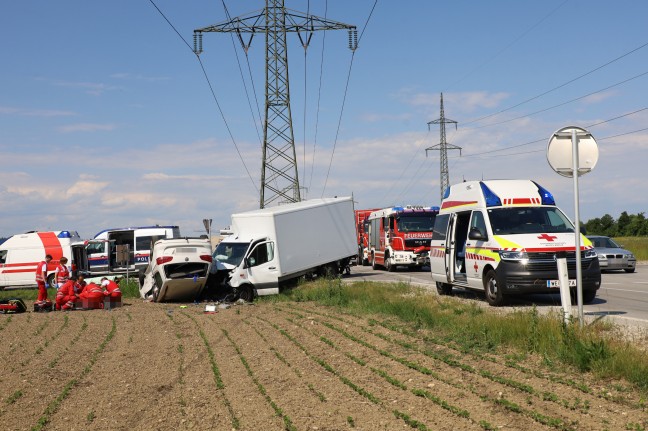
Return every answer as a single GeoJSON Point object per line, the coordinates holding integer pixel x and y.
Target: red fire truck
{"type": "Point", "coordinates": [400, 236]}
{"type": "Point", "coordinates": [362, 235]}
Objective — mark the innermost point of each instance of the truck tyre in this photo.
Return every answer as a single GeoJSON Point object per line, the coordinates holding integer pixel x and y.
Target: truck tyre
{"type": "Point", "coordinates": [494, 295]}
{"type": "Point", "coordinates": [51, 281]}
{"type": "Point", "coordinates": [388, 264]}
{"type": "Point", "coordinates": [374, 265]}
{"type": "Point", "coordinates": [444, 288]}
{"type": "Point", "coordinates": [156, 293]}
{"type": "Point", "coordinates": [246, 293]}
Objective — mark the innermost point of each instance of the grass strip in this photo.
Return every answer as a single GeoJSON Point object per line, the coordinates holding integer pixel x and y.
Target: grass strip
{"type": "Point", "coordinates": [84, 326]}
{"type": "Point", "coordinates": [236, 424]}
{"type": "Point", "coordinates": [54, 405]}
{"type": "Point", "coordinates": [278, 411]}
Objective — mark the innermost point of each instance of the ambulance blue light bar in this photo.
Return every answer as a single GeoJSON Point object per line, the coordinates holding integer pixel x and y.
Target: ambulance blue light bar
{"type": "Point", "coordinates": [492, 200]}
{"type": "Point", "coordinates": [545, 196]}
{"type": "Point", "coordinates": [446, 193]}
{"type": "Point", "coordinates": [397, 208]}
{"type": "Point", "coordinates": [64, 234]}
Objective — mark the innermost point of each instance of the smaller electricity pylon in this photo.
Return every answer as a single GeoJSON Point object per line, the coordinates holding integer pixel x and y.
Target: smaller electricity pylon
{"type": "Point", "coordinates": [443, 148]}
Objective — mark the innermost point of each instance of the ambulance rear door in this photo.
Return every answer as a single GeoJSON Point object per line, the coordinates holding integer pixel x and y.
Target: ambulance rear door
{"type": "Point", "coordinates": [3, 260]}
{"type": "Point", "coordinates": [442, 248]}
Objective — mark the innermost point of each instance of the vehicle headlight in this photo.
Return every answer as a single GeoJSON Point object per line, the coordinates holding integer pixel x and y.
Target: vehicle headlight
{"type": "Point", "coordinates": [514, 255]}
{"type": "Point", "coordinates": [591, 253]}
{"type": "Point", "coordinates": [631, 256]}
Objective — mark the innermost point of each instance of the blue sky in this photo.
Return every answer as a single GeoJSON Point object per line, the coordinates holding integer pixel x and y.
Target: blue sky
{"type": "Point", "coordinates": [106, 118]}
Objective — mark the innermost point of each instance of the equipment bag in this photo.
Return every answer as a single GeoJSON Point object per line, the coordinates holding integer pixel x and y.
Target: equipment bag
{"type": "Point", "coordinates": [11, 306]}
{"type": "Point", "coordinates": [43, 306]}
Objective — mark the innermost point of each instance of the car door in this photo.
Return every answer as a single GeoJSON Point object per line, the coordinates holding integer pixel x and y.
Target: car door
{"type": "Point", "coordinates": [476, 251]}
{"type": "Point", "coordinates": [97, 255]}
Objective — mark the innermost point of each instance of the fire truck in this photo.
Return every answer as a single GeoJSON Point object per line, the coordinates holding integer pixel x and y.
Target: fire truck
{"type": "Point", "coordinates": [362, 235]}
{"type": "Point", "coordinates": [400, 236]}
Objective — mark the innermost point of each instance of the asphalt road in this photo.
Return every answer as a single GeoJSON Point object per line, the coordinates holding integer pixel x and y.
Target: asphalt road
{"type": "Point", "coordinates": [622, 297]}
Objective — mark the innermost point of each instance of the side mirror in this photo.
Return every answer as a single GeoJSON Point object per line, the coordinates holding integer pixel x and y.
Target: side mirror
{"type": "Point", "coordinates": [250, 261]}
{"type": "Point", "coordinates": [476, 235]}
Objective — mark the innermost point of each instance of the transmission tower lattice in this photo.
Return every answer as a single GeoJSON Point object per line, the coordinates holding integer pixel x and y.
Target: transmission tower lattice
{"type": "Point", "coordinates": [443, 148]}
{"type": "Point", "coordinates": [279, 177]}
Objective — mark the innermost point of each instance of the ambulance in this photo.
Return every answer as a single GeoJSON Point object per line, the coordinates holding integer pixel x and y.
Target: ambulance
{"type": "Point", "coordinates": [21, 254]}
{"type": "Point", "coordinates": [502, 237]}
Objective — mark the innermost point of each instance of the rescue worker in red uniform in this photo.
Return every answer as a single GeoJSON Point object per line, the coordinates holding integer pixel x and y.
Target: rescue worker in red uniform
{"type": "Point", "coordinates": [62, 272]}
{"type": "Point", "coordinates": [41, 279]}
{"type": "Point", "coordinates": [66, 297]}
{"type": "Point", "coordinates": [112, 292]}
{"type": "Point", "coordinates": [92, 296]}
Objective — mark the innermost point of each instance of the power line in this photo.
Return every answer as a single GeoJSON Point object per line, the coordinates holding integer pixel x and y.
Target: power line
{"type": "Point", "coordinates": [346, 88]}
{"type": "Point", "coordinates": [559, 86]}
{"type": "Point", "coordinates": [211, 88]}
{"type": "Point", "coordinates": [561, 104]}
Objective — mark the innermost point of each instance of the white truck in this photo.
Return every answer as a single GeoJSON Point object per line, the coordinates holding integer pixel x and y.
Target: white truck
{"type": "Point", "coordinates": [272, 246]}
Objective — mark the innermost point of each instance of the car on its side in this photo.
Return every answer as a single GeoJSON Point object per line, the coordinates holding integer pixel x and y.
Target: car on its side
{"type": "Point", "coordinates": [177, 270]}
{"type": "Point", "coordinates": [612, 255]}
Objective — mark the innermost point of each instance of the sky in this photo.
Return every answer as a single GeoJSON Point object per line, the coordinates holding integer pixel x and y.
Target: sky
{"type": "Point", "coordinates": [107, 119]}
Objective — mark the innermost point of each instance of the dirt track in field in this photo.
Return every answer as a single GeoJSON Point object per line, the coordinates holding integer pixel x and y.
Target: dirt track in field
{"type": "Point", "coordinates": [278, 366]}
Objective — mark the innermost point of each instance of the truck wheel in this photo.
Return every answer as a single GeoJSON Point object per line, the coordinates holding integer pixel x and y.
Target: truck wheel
{"type": "Point", "coordinates": [493, 291]}
{"type": "Point", "coordinates": [444, 288]}
{"type": "Point", "coordinates": [156, 293]}
{"type": "Point", "coordinates": [246, 293]}
{"type": "Point", "coordinates": [388, 264]}
{"type": "Point", "coordinates": [51, 281]}
{"type": "Point", "coordinates": [374, 265]}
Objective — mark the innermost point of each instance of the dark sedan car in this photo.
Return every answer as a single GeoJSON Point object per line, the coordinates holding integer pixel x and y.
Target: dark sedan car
{"type": "Point", "coordinates": [611, 255]}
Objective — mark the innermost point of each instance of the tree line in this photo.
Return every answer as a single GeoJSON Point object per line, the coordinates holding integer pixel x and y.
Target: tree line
{"type": "Point", "coordinates": [625, 225]}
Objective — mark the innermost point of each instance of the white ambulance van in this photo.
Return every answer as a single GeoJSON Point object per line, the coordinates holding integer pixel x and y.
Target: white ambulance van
{"type": "Point", "coordinates": [501, 237]}
{"type": "Point", "coordinates": [98, 256]}
{"type": "Point", "coordinates": [21, 254]}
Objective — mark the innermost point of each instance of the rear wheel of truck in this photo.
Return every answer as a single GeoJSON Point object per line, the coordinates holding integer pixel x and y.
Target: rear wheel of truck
{"type": "Point", "coordinates": [493, 291]}
{"type": "Point", "coordinates": [246, 293]}
{"type": "Point", "coordinates": [444, 288]}
{"type": "Point", "coordinates": [374, 265]}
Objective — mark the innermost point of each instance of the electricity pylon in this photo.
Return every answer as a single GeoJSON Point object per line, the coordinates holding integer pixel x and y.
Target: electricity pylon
{"type": "Point", "coordinates": [443, 148]}
{"type": "Point", "coordinates": [279, 178]}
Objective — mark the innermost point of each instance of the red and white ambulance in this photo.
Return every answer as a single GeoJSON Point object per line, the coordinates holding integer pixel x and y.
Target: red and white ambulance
{"type": "Point", "coordinates": [21, 254]}
{"type": "Point", "coordinates": [501, 237]}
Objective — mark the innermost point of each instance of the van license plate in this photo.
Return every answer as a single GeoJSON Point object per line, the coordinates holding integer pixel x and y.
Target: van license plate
{"type": "Point", "coordinates": [556, 283]}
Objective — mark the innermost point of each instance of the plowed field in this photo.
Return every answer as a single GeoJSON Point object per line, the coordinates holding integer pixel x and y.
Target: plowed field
{"type": "Point", "coordinates": [279, 366]}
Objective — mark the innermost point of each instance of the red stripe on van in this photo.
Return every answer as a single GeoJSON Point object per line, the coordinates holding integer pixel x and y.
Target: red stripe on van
{"type": "Point", "coordinates": [11, 265]}
{"type": "Point", "coordinates": [452, 204]}
{"type": "Point", "coordinates": [11, 271]}
{"type": "Point", "coordinates": [52, 247]}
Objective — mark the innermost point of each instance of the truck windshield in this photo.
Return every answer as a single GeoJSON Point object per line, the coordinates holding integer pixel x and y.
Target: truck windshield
{"type": "Point", "coordinates": [416, 223]}
{"type": "Point", "coordinates": [231, 252]}
{"type": "Point", "coordinates": [521, 220]}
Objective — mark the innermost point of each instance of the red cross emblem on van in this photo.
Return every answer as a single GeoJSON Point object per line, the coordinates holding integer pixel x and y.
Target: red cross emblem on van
{"type": "Point", "coordinates": [547, 237]}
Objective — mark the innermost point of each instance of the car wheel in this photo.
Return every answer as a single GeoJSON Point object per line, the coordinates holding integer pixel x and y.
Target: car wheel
{"type": "Point", "coordinates": [492, 289]}
{"type": "Point", "coordinates": [156, 293]}
{"type": "Point", "coordinates": [246, 293]}
{"type": "Point", "coordinates": [588, 296]}
{"type": "Point", "coordinates": [444, 288]}
{"type": "Point", "coordinates": [140, 277]}
{"type": "Point", "coordinates": [629, 270]}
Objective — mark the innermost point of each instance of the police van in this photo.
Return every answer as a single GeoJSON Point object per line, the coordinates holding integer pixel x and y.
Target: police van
{"type": "Point", "coordinates": [116, 251]}
{"type": "Point", "coordinates": [21, 254]}
{"type": "Point", "coordinates": [501, 237]}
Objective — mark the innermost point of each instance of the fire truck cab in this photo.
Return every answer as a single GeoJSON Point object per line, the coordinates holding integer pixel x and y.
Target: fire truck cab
{"type": "Point", "coordinates": [362, 234]}
{"type": "Point", "coordinates": [400, 236]}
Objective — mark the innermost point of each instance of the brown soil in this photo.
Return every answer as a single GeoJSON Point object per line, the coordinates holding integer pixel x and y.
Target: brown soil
{"type": "Point", "coordinates": [279, 366]}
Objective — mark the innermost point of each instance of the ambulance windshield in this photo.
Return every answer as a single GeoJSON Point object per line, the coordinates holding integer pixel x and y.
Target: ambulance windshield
{"type": "Point", "coordinates": [231, 252]}
{"type": "Point", "coordinates": [525, 220]}
{"type": "Point", "coordinates": [416, 223]}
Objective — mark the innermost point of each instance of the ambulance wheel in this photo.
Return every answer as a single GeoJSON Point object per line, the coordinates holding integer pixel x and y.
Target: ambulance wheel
{"type": "Point", "coordinates": [374, 265]}
{"type": "Point", "coordinates": [156, 293]}
{"type": "Point", "coordinates": [51, 281]}
{"type": "Point", "coordinates": [493, 292]}
{"type": "Point", "coordinates": [444, 288]}
{"type": "Point", "coordinates": [246, 293]}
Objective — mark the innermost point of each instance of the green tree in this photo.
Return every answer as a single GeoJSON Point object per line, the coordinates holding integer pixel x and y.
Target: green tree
{"type": "Point", "coordinates": [623, 224]}
{"type": "Point", "coordinates": [608, 226]}
{"type": "Point", "coordinates": [594, 226]}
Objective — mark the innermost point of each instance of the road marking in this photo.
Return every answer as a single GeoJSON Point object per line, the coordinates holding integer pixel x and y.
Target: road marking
{"type": "Point", "coordinates": [624, 290]}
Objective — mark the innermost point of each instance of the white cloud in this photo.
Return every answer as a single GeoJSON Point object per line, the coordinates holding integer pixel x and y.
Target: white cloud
{"type": "Point", "coordinates": [598, 97]}
{"type": "Point", "coordinates": [376, 118]}
{"type": "Point", "coordinates": [86, 127]}
{"type": "Point", "coordinates": [7, 110]}
{"type": "Point", "coordinates": [459, 102]}
{"type": "Point", "coordinates": [92, 88]}
{"type": "Point", "coordinates": [86, 188]}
